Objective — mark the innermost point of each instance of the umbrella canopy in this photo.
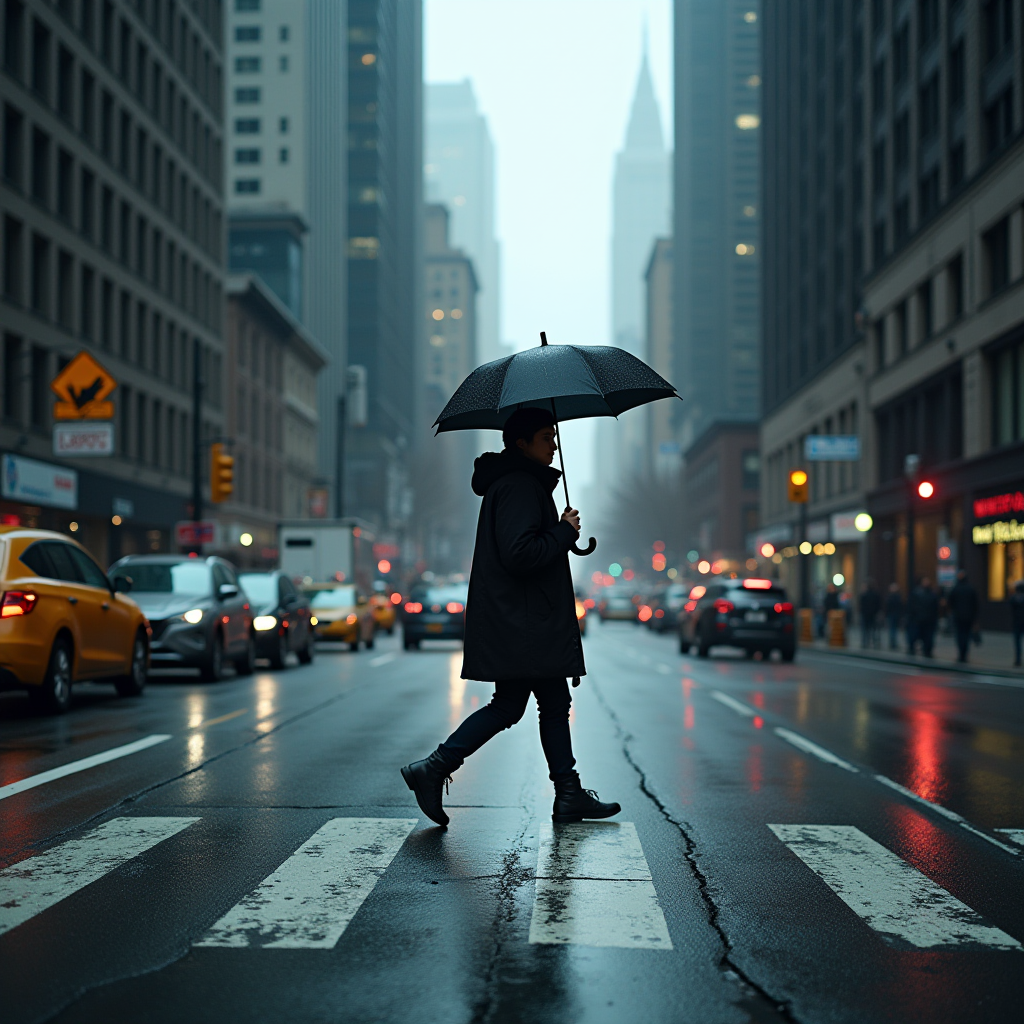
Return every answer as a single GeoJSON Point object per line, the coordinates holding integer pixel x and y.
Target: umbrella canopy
{"type": "Point", "coordinates": [573, 381]}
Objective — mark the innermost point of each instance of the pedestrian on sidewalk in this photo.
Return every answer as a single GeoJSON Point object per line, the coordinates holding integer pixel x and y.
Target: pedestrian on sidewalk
{"type": "Point", "coordinates": [869, 605]}
{"type": "Point", "coordinates": [922, 617]}
{"type": "Point", "coordinates": [1017, 620]}
{"type": "Point", "coordinates": [962, 602]}
{"type": "Point", "coordinates": [893, 614]}
{"type": "Point", "coordinates": [521, 626]}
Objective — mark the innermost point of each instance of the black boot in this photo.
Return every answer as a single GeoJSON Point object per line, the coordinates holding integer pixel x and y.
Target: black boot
{"type": "Point", "coordinates": [426, 779]}
{"type": "Point", "coordinates": [574, 803]}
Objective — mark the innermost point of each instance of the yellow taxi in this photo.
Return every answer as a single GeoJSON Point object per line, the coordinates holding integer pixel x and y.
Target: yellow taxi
{"type": "Point", "coordinates": [385, 610]}
{"type": "Point", "coordinates": [342, 613]}
{"type": "Point", "coordinates": [62, 620]}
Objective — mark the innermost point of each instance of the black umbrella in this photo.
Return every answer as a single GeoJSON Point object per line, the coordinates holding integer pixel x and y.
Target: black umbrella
{"type": "Point", "coordinates": [574, 381]}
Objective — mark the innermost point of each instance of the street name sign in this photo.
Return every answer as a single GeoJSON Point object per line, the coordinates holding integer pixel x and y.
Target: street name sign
{"type": "Point", "coordinates": [83, 388]}
{"type": "Point", "coordinates": [832, 448]}
{"type": "Point", "coordinates": [88, 438]}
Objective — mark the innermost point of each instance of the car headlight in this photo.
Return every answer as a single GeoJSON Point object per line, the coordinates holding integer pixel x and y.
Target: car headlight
{"type": "Point", "coordinates": [193, 615]}
{"type": "Point", "coordinates": [313, 620]}
{"type": "Point", "coordinates": [264, 622]}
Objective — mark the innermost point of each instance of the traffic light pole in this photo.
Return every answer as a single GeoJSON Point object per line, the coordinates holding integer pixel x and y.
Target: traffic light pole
{"type": "Point", "coordinates": [197, 439]}
{"type": "Point", "coordinates": [910, 536]}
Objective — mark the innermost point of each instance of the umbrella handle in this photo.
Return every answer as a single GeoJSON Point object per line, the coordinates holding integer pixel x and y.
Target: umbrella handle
{"type": "Point", "coordinates": [588, 550]}
{"type": "Point", "coordinates": [592, 544]}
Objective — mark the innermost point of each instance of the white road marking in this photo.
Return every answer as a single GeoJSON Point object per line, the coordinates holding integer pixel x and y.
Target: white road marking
{"type": "Point", "coordinates": [382, 659]}
{"type": "Point", "coordinates": [33, 885]}
{"type": "Point", "coordinates": [888, 894]}
{"type": "Point", "coordinates": [729, 702]}
{"type": "Point", "coordinates": [32, 781]}
{"type": "Point", "coordinates": [594, 888]}
{"type": "Point", "coordinates": [1015, 835]}
{"type": "Point", "coordinates": [801, 743]}
{"type": "Point", "coordinates": [310, 899]}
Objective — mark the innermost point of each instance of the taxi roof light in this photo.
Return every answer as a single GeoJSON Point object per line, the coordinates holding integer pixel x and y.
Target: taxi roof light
{"type": "Point", "coordinates": [757, 584]}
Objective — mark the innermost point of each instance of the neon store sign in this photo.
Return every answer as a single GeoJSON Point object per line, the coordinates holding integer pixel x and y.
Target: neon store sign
{"type": "Point", "coordinates": [998, 505]}
{"type": "Point", "coordinates": [999, 533]}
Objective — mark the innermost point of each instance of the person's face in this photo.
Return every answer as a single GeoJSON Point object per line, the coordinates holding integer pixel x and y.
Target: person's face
{"type": "Point", "coordinates": [541, 448]}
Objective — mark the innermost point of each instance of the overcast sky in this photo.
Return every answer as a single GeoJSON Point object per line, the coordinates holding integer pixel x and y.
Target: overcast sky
{"type": "Point", "coordinates": [555, 79]}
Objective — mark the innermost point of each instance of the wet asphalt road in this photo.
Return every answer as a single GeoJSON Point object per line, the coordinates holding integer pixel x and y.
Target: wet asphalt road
{"type": "Point", "coordinates": [894, 908]}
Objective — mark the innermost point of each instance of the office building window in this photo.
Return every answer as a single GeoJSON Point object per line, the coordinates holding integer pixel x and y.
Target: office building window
{"type": "Point", "coordinates": [87, 308]}
{"type": "Point", "coordinates": [13, 146]}
{"type": "Point", "coordinates": [40, 297]}
{"type": "Point", "coordinates": [999, 121]}
{"type": "Point", "coordinates": [65, 173]}
{"type": "Point", "coordinates": [957, 76]}
{"type": "Point", "coordinates": [243, 6]}
{"type": "Point", "coordinates": [901, 330]}
{"type": "Point", "coordinates": [247, 126]}
{"type": "Point", "coordinates": [283, 63]}
{"type": "Point", "coordinates": [14, 37]}
{"type": "Point", "coordinates": [284, 34]}
{"type": "Point", "coordinates": [283, 125]}
{"type": "Point", "coordinates": [955, 288]}
{"type": "Point", "coordinates": [924, 308]}
{"type": "Point", "coordinates": [879, 340]}
{"type": "Point", "coordinates": [65, 289]}
{"type": "Point", "coordinates": [13, 374]}
{"type": "Point", "coordinates": [41, 59]}
{"type": "Point", "coordinates": [248, 33]}
{"type": "Point", "coordinates": [927, 22]}
{"type": "Point", "coordinates": [751, 470]}
{"type": "Point", "coordinates": [1008, 395]}
{"type": "Point", "coordinates": [928, 194]}
{"type": "Point", "coordinates": [247, 95]}
{"type": "Point", "coordinates": [928, 112]}
{"type": "Point", "coordinates": [40, 166]}
{"type": "Point", "coordinates": [283, 155]}
{"type": "Point", "coordinates": [996, 258]}
{"type": "Point", "coordinates": [13, 259]}
{"type": "Point", "coordinates": [247, 186]}
{"type": "Point", "coordinates": [248, 65]}
{"type": "Point", "coordinates": [247, 156]}
{"type": "Point", "coordinates": [901, 219]}
{"type": "Point", "coordinates": [65, 83]}
{"type": "Point", "coordinates": [39, 389]}
{"type": "Point", "coordinates": [901, 54]}
{"type": "Point", "coordinates": [957, 164]}
{"type": "Point", "coordinates": [997, 16]}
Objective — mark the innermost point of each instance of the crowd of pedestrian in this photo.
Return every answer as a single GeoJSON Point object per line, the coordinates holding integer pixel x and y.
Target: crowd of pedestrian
{"type": "Point", "coordinates": [920, 613]}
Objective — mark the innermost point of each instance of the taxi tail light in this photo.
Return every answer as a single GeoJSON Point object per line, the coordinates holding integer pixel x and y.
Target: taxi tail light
{"type": "Point", "coordinates": [454, 607]}
{"type": "Point", "coordinates": [723, 607]}
{"type": "Point", "coordinates": [784, 608]}
{"type": "Point", "coordinates": [17, 602]}
{"type": "Point", "coordinates": [689, 606]}
{"type": "Point", "coordinates": [413, 607]}
{"type": "Point", "coordinates": [351, 618]}
{"type": "Point", "coordinates": [659, 613]}
{"type": "Point", "coordinates": [396, 598]}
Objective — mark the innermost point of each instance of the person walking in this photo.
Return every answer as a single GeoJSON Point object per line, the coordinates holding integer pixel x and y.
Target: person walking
{"type": "Point", "coordinates": [893, 610]}
{"type": "Point", "coordinates": [521, 627]}
{"type": "Point", "coordinates": [869, 605]}
{"type": "Point", "coordinates": [962, 602]}
{"type": "Point", "coordinates": [1017, 620]}
{"type": "Point", "coordinates": [922, 617]}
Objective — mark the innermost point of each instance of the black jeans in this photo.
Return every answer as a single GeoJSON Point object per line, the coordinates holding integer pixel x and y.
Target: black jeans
{"type": "Point", "coordinates": [506, 707]}
{"type": "Point", "coordinates": [963, 639]}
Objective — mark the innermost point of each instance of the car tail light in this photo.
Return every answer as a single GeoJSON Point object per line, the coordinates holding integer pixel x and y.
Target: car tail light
{"type": "Point", "coordinates": [454, 607]}
{"type": "Point", "coordinates": [17, 602]}
{"type": "Point", "coordinates": [413, 607]}
{"type": "Point", "coordinates": [698, 592]}
{"type": "Point", "coordinates": [396, 598]}
{"type": "Point", "coordinates": [644, 613]}
{"type": "Point", "coordinates": [352, 618]}
{"type": "Point", "coordinates": [659, 613]}
{"type": "Point", "coordinates": [689, 606]}
{"type": "Point", "coordinates": [723, 607]}
{"type": "Point", "coordinates": [589, 603]}
{"type": "Point", "coordinates": [784, 608]}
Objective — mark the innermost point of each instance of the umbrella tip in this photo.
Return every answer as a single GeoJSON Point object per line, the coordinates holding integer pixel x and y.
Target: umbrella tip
{"type": "Point", "coordinates": [543, 338]}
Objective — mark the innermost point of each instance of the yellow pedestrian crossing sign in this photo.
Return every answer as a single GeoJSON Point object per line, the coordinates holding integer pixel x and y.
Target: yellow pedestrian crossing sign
{"type": "Point", "coordinates": [83, 388]}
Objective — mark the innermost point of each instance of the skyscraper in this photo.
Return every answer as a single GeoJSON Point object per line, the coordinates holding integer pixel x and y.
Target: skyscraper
{"type": "Point", "coordinates": [384, 254]}
{"type": "Point", "coordinates": [287, 197]}
{"type": "Point", "coordinates": [717, 118]}
{"type": "Point", "coordinates": [459, 172]}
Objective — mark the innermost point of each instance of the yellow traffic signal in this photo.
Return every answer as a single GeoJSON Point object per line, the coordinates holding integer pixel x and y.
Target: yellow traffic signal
{"type": "Point", "coordinates": [222, 473]}
{"type": "Point", "coordinates": [798, 489]}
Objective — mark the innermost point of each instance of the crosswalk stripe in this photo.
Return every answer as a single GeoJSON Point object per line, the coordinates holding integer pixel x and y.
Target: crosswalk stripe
{"type": "Point", "coordinates": [36, 884]}
{"type": "Point", "coordinates": [888, 894]}
{"type": "Point", "coordinates": [1015, 835]}
{"type": "Point", "coordinates": [310, 899]}
{"type": "Point", "coordinates": [594, 888]}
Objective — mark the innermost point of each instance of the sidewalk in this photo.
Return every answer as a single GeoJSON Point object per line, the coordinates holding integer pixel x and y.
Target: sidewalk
{"type": "Point", "coordinates": [994, 655]}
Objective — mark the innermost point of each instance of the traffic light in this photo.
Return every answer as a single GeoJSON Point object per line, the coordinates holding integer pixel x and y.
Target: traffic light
{"type": "Point", "coordinates": [798, 489]}
{"type": "Point", "coordinates": [222, 473]}
{"type": "Point", "coordinates": [926, 488]}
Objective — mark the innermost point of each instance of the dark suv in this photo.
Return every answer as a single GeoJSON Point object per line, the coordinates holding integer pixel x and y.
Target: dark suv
{"type": "Point", "coordinates": [754, 614]}
{"type": "Point", "coordinates": [199, 614]}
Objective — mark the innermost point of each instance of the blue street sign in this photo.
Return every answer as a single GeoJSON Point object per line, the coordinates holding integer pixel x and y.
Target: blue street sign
{"type": "Point", "coordinates": [832, 448]}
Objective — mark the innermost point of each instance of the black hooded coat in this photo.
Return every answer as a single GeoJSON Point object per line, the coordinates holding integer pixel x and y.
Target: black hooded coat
{"type": "Point", "coordinates": [521, 610]}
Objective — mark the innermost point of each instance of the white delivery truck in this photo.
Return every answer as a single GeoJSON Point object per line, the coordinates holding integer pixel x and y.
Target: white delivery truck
{"type": "Point", "coordinates": [317, 550]}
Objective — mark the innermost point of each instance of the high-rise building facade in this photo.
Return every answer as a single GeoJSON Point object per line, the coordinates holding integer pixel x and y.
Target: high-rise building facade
{"type": "Point", "coordinates": [113, 242]}
{"type": "Point", "coordinates": [716, 214]}
{"type": "Point", "coordinates": [286, 175]}
{"type": "Point", "coordinates": [459, 172]}
{"type": "Point", "coordinates": [384, 255]}
{"type": "Point", "coordinates": [894, 191]}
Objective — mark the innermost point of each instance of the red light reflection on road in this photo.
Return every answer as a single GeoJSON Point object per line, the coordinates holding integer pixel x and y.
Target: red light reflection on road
{"type": "Point", "coordinates": [757, 699]}
{"type": "Point", "coordinates": [926, 777]}
{"type": "Point", "coordinates": [688, 717]}
{"type": "Point", "coordinates": [758, 722]}
{"type": "Point", "coordinates": [755, 771]}
{"type": "Point", "coordinates": [920, 841]}
{"type": "Point", "coordinates": [687, 687]}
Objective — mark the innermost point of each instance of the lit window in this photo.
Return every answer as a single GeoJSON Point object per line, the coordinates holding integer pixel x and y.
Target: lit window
{"type": "Point", "coordinates": [438, 314]}
{"type": "Point", "coordinates": [247, 34]}
{"type": "Point", "coordinates": [247, 186]}
{"type": "Point", "coordinates": [249, 95]}
{"type": "Point", "coordinates": [754, 81]}
{"type": "Point", "coordinates": [363, 248]}
{"type": "Point", "coordinates": [283, 155]}
{"type": "Point", "coordinates": [747, 121]}
{"type": "Point", "coordinates": [247, 126]}
{"type": "Point", "coordinates": [247, 156]}
{"type": "Point", "coordinates": [750, 17]}
{"type": "Point", "coordinates": [369, 58]}
{"type": "Point", "coordinates": [437, 341]}
{"type": "Point", "coordinates": [744, 250]}
{"type": "Point", "coordinates": [247, 65]}
{"type": "Point", "coordinates": [456, 314]}
{"type": "Point", "coordinates": [749, 211]}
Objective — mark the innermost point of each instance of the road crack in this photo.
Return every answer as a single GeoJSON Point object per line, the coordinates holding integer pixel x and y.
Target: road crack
{"type": "Point", "coordinates": [754, 992]}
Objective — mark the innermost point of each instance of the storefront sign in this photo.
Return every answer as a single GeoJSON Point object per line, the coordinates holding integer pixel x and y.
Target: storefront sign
{"type": "Point", "coordinates": [999, 533]}
{"type": "Point", "coordinates": [832, 447]}
{"type": "Point", "coordinates": [39, 483]}
{"type": "Point", "coordinates": [998, 505]}
{"type": "Point", "coordinates": [71, 439]}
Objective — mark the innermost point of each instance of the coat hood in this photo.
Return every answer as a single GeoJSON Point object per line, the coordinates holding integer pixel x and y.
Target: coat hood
{"type": "Point", "coordinates": [492, 466]}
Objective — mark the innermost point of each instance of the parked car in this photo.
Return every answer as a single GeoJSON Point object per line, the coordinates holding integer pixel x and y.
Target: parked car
{"type": "Point", "coordinates": [617, 605]}
{"type": "Point", "coordinates": [200, 617]}
{"type": "Point", "coordinates": [385, 611]}
{"type": "Point", "coordinates": [63, 620]}
{"type": "Point", "coordinates": [754, 614]}
{"type": "Point", "coordinates": [434, 613]}
{"type": "Point", "coordinates": [343, 613]}
{"type": "Point", "coordinates": [666, 603]}
{"type": "Point", "coordinates": [281, 617]}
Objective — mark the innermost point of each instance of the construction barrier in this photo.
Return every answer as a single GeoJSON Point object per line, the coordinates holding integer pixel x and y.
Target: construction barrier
{"type": "Point", "coordinates": [836, 628]}
{"type": "Point", "coordinates": [806, 619]}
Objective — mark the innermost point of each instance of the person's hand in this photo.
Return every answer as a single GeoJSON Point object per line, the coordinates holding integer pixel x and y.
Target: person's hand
{"type": "Point", "coordinates": [572, 517]}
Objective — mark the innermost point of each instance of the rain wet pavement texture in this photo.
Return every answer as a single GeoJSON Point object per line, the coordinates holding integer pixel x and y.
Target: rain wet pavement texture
{"type": "Point", "coordinates": [439, 927]}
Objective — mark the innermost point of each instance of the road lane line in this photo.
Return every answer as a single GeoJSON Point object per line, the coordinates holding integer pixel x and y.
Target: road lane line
{"type": "Point", "coordinates": [223, 718]}
{"type": "Point", "coordinates": [730, 702]}
{"type": "Point", "coordinates": [594, 888]}
{"type": "Point", "coordinates": [382, 659]}
{"type": "Point", "coordinates": [36, 884]}
{"type": "Point", "coordinates": [12, 788]}
{"type": "Point", "coordinates": [308, 902]}
{"type": "Point", "coordinates": [801, 743]}
{"type": "Point", "coordinates": [890, 896]}
{"type": "Point", "coordinates": [1015, 835]}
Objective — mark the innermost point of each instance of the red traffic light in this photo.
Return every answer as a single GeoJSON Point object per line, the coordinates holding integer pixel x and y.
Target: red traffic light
{"type": "Point", "coordinates": [926, 488]}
